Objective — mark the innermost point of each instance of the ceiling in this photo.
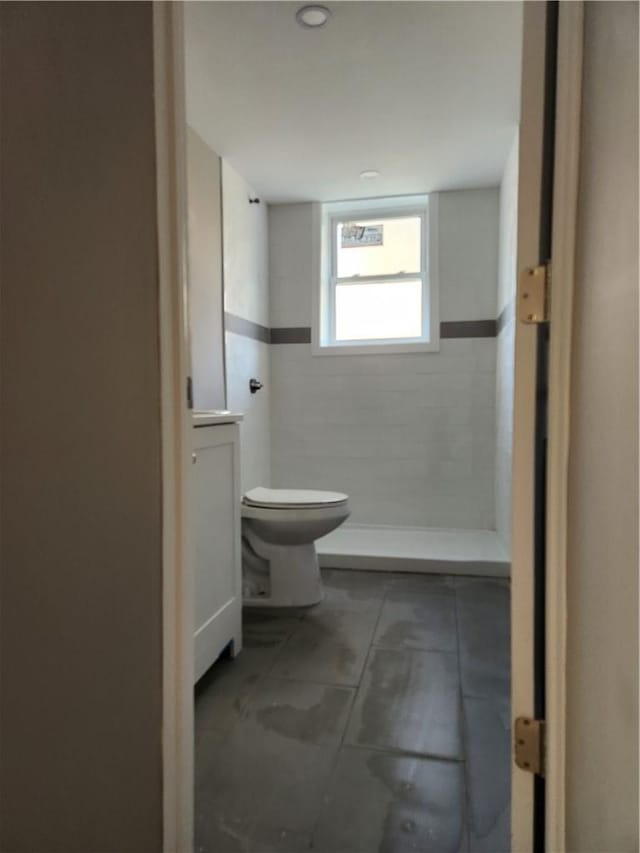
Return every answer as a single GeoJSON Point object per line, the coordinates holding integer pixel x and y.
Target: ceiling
{"type": "Point", "coordinates": [427, 93]}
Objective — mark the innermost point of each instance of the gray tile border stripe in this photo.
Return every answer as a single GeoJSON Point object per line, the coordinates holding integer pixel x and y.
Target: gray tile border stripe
{"type": "Point", "coordinates": [468, 329]}
{"type": "Point", "coordinates": [291, 335]}
{"type": "Point", "coordinates": [247, 328]}
{"type": "Point", "coordinates": [449, 329]}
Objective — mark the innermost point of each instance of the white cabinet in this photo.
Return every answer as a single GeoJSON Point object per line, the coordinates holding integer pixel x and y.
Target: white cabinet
{"type": "Point", "coordinates": [217, 556]}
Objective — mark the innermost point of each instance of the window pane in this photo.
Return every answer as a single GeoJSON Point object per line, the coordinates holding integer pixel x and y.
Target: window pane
{"type": "Point", "coordinates": [378, 246]}
{"type": "Point", "coordinates": [379, 311]}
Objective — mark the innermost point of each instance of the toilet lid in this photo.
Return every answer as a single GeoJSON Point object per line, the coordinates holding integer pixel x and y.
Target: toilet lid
{"type": "Point", "coordinates": [291, 498]}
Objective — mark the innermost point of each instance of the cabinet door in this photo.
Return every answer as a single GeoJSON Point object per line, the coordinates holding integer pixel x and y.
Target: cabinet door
{"type": "Point", "coordinates": [216, 513]}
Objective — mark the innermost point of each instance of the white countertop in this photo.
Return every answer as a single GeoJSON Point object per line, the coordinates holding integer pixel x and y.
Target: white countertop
{"type": "Point", "coordinates": [214, 417]}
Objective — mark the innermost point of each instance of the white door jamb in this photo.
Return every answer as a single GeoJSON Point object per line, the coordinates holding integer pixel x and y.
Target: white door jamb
{"type": "Point", "coordinates": [177, 652]}
{"type": "Point", "coordinates": [530, 167]}
{"type": "Point", "coordinates": [565, 206]}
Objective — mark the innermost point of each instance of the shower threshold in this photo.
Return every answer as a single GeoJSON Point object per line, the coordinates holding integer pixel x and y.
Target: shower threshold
{"type": "Point", "coordinates": [414, 549]}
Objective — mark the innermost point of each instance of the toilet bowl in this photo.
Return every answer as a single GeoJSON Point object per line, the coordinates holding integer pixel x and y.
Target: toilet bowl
{"type": "Point", "coordinates": [279, 529]}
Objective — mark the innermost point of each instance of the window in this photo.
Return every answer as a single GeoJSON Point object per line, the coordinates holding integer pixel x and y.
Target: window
{"type": "Point", "coordinates": [377, 292]}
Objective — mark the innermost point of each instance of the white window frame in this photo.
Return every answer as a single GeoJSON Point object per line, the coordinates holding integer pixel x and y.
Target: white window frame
{"type": "Point", "coordinates": [327, 218]}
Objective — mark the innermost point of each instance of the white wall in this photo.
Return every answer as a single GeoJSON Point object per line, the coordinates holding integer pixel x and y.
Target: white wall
{"type": "Point", "coordinates": [409, 437]}
{"type": "Point", "coordinates": [246, 295]}
{"type": "Point", "coordinates": [291, 273]}
{"type": "Point", "coordinates": [602, 666]}
{"type": "Point", "coordinates": [505, 343]}
{"type": "Point", "coordinates": [468, 234]}
{"type": "Point", "coordinates": [204, 224]}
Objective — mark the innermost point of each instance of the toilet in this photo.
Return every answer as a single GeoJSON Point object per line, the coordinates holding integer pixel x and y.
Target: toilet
{"type": "Point", "coordinates": [279, 529]}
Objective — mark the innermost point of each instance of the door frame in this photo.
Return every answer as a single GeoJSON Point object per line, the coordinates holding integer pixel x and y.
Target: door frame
{"type": "Point", "coordinates": [523, 538]}
{"type": "Point", "coordinates": [564, 213]}
{"type": "Point", "coordinates": [177, 573]}
{"type": "Point", "coordinates": [565, 210]}
{"type": "Point", "coordinates": [178, 729]}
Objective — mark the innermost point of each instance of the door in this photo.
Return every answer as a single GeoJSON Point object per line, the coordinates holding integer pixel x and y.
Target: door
{"type": "Point", "coordinates": [547, 203]}
{"type": "Point", "coordinates": [178, 742]}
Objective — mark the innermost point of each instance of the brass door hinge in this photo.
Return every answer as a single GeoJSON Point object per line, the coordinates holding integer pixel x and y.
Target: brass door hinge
{"type": "Point", "coordinates": [534, 294]}
{"type": "Point", "coordinates": [530, 745]}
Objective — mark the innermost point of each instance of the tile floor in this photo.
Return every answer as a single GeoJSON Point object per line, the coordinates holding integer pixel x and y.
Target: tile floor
{"type": "Point", "coordinates": [376, 721]}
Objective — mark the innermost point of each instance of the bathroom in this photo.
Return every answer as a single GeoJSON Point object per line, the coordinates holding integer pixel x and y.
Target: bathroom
{"type": "Point", "coordinates": [373, 714]}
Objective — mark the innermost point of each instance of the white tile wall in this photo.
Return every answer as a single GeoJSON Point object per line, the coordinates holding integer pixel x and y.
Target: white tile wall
{"type": "Point", "coordinates": [411, 438]}
{"type": "Point", "coordinates": [468, 233]}
{"type": "Point", "coordinates": [504, 430]}
{"type": "Point", "coordinates": [247, 358]}
{"type": "Point", "coordinates": [246, 264]}
{"type": "Point", "coordinates": [290, 265]}
{"type": "Point", "coordinates": [505, 345]}
{"type": "Point", "coordinates": [247, 295]}
{"type": "Point", "coordinates": [508, 231]}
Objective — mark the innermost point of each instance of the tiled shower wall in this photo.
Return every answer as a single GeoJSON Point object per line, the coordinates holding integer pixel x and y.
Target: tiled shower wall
{"type": "Point", "coordinates": [505, 343]}
{"type": "Point", "coordinates": [410, 438]}
{"type": "Point", "coordinates": [246, 298]}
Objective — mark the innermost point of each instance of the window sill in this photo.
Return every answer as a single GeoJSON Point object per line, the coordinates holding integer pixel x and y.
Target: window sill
{"type": "Point", "coordinates": [375, 349]}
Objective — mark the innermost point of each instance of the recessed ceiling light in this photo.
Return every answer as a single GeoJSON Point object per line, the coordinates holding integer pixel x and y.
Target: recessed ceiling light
{"type": "Point", "coordinates": [369, 174]}
{"type": "Point", "coordinates": [312, 17]}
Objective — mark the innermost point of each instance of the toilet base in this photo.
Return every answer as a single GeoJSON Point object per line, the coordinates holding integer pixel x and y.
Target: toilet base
{"type": "Point", "coordinates": [294, 574]}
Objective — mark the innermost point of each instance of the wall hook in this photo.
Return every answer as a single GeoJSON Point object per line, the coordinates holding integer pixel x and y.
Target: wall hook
{"type": "Point", "coordinates": [254, 200]}
{"type": "Point", "coordinates": [254, 385]}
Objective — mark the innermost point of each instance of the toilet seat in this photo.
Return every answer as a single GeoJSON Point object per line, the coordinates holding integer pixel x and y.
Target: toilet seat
{"type": "Point", "coordinates": [279, 531]}
{"type": "Point", "coordinates": [293, 499]}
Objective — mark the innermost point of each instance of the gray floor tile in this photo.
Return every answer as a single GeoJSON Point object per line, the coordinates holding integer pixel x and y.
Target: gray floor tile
{"type": "Point", "coordinates": [267, 839]}
{"type": "Point", "coordinates": [354, 591]}
{"type": "Point", "coordinates": [267, 736]}
{"type": "Point", "coordinates": [420, 618]}
{"type": "Point", "coordinates": [409, 700]}
{"type": "Point", "coordinates": [207, 743]}
{"type": "Point", "coordinates": [268, 628]}
{"type": "Point", "coordinates": [469, 580]}
{"type": "Point", "coordinates": [418, 580]}
{"type": "Point", "coordinates": [488, 766]}
{"type": "Point", "coordinates": [301, 711]}
{"type": "Point", "coordinates": [257, 776]}
{"type": "Point", "coordinates": [213, 834]}
{"type": "Point", "coordinates": [328, 646]}
{"type": "Point", "coordinates": [484, 637]}
{"type": "Point", "coordinates": [222, 693]}
{"type": "Point", "coordinates": [263, 780]}
{"type": "Point", "coordinates": [392, 804]}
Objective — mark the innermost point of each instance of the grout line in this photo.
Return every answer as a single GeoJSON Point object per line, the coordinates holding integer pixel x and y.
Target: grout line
{"type": "Point", "coordinates": [410, 649]}
{"type": "Point", "coordinates": [354, 698]}
{"type": "Point", "coordinates": [382, 602]}
{"type": "Point", "coordinates": [283, 644]}
{"type": "Point", "coordinates": [463, 732]}
{"type": "Point", "coordinates": [406, 753]}
{"type": "Point", "coordinates": [350, 687]}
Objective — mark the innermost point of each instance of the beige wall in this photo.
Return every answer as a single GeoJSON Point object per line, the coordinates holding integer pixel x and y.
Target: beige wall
{"type": "Point", "coordinates": [80, 763]}
{"type": "Point", "coordinates": [602, 772]}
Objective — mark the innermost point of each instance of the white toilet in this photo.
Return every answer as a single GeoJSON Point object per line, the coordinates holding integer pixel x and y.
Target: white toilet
{"type": "Point", "coordinates": [279, 528]}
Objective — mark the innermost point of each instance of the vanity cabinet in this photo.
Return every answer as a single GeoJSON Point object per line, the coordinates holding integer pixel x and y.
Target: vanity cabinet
{"type": "Point", "coordinates": [216, 542]}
